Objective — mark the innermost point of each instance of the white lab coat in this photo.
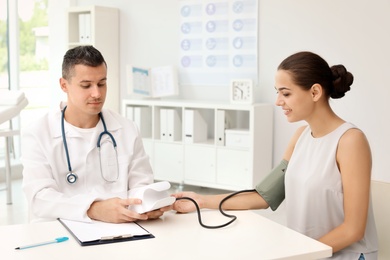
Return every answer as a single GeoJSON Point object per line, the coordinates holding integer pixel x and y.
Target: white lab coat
{"type": "Point", "coordinates": [48, 193]}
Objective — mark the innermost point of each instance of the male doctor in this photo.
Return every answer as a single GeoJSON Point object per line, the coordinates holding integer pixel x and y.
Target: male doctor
{"type": "Point", "coordinates": [65, 174]}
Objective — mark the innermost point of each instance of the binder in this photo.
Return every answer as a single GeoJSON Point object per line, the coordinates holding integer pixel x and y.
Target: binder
{"type": "Point", "coordinates": [220, 128]}
{"type": "Point", "coordinates": [88, 29]}
{"type": "Point", "coordinates": [85, 28]}
{"type": "Point", "coordinates": [170, 125]}
{"type": "Point", "coordinates": [130, 113]}
{"type": "Point", "coordinates": [173, 125]}
{"type": "Point", "coordinates": [98, 233]}
{"type": "Point", "coordinates": [195, 127]}
{"type": "Point", "coordinates": [163, 125]}
{"type": "Point", "coordinates": [142, 118]}
{"type": "Point", "coordinates": [82, 28]}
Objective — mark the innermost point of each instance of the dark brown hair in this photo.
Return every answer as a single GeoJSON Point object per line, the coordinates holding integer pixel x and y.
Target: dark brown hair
{"type": "Point", "coordinates": [85, 55]}
{"type": "Point", "coordinates": [307, 69]}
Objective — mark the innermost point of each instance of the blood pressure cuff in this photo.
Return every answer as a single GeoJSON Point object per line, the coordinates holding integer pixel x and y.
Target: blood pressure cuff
{"type": "Point", "coordinates": [271, 188]}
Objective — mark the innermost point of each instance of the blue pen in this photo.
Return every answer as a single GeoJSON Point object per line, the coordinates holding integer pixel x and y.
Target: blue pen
{"type": "Point", "coordinates": [57, 240]}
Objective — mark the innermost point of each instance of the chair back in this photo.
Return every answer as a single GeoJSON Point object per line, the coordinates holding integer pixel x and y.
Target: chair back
{"type": "Point", "coordinates": [381, 205]}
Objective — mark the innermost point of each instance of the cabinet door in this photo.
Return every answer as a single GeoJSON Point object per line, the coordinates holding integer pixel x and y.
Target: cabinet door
{"type": "Point", "coordinates": [168, 162]}
{"type": "Point", "coordinates": [199, 164]}
{"type": "Point", "coordinates": [233, 168]}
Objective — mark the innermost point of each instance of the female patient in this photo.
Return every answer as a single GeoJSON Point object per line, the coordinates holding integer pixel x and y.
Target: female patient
{"type": "Point", "coordinates": [326, 169]}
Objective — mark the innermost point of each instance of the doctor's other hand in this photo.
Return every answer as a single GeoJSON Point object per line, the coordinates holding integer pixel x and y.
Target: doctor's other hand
{"type": "Point", "coordinates": [184, 206]}
{"type": "Point", "coordinates": [158, 212]}
{"type": "Point", "coordinates": [115, 210]}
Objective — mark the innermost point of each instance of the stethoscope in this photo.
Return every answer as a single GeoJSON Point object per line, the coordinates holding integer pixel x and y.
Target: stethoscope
{"type": "Point", "coordinates": [72, 177]}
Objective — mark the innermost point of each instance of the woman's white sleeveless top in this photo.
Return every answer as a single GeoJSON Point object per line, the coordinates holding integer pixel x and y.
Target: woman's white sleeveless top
{"type": "Point", "coordinates": [314, 192]}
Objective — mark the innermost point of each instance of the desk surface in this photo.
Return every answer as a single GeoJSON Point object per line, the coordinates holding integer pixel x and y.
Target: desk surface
{"type": "Point", "coordinates": [177, 236]}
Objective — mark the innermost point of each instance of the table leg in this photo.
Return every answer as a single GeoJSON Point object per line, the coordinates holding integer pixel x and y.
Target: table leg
{"type": "Point", "coordinates": [8, 172]}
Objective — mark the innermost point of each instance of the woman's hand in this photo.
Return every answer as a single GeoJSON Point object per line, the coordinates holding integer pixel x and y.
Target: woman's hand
{"type": "Point", "coordinates": [184, 206]}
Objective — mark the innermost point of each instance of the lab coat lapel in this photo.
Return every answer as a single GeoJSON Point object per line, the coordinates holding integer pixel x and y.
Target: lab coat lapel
{"type": "Point", "coordinates": [56, 130]}
{"type": "Point", "coordinates": [112, 124]}
{"type": "Point", "coordinates": [98, 130]}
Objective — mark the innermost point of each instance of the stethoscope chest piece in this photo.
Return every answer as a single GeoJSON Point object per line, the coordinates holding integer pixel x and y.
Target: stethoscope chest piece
{"type": "Point", "coordinates": [71, 177]}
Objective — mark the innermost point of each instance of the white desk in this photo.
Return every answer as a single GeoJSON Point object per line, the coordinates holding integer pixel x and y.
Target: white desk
{"type": "Point", "coordinates": [177, 236]}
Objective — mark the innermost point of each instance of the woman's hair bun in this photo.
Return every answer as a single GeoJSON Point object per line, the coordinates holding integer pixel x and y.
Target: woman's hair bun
{"type": "Point", "coordinates": [342, 81]}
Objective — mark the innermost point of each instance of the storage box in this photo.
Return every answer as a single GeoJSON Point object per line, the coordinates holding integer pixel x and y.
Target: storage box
{"type": "Point", "coordinates": [237, 138]}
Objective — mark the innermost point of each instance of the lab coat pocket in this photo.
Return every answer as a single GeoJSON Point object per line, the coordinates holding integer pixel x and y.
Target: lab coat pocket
{"type": "Point", "coordinates": [114, 172]}
{"type": "Point", "coordinates": [124, 164]}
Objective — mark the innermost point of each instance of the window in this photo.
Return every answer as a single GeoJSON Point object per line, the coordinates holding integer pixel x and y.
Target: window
{"type": "Point", "coordinates": [34, 53]}
{"type": "Point", "coordinates": [30, 64]}
{"type": "Point", "coordinates": [4, 84]}
{"type": "Point", "coordinates": [4, 65]}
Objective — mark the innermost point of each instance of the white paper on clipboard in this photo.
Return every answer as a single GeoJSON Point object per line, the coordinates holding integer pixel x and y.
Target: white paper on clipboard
{"type": "Point", "coordinates": [97, 230]}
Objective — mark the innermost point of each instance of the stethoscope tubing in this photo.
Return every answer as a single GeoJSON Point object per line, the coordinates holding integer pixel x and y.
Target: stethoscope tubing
{"type": "Point", "coordinates": [71, 177]}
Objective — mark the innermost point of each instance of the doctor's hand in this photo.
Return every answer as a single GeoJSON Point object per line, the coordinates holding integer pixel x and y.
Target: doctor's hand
{"type": "Point", "coordinates": [115, 210]}
{"type": "Point", "coordinates": [158, 212]}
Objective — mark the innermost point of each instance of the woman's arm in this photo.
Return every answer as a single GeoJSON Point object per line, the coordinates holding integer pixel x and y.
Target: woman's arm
{"type": "Point", "coordinates": [242, 201]}
{"type": "Point", "coordinates": [354, 162]}
{"type": "Point", "coordinates": [247, 200]}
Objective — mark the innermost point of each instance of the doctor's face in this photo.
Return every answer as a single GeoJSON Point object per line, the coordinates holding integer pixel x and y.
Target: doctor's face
{"type": "Point", "coordinates": [86, 89]}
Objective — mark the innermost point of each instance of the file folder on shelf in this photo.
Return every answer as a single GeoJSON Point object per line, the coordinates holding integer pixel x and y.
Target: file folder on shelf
{"type": "Point", "coordinates": [170, 125]}
{"type": "Point", "coordinates": [163, 124]}
{"type": "Point", "coordinates": [174, 125]}
{"type": "Point", "coordinates": [142, 117]}
{"type": "Point", "coordinates": [97, 232]}
{"type": "Point", "coordinates": [220, 128]}
{"type": "Point", "coordinates": [84, 28]}
{"type": "Point", "coordinates": [195, 127]}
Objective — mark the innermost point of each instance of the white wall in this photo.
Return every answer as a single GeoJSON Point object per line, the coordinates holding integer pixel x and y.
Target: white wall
{"type": "Point", "coordinates": [350, 32]}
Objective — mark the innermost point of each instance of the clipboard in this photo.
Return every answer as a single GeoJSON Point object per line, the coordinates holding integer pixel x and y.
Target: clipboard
{"type": "Point", "coordinates": [98, 233]}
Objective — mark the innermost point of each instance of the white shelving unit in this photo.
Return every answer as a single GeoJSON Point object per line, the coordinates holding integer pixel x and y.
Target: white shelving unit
{"type": "Point", "coordinates": [235, 154]}
{"type": "Point", "coordinates": [98, 26]}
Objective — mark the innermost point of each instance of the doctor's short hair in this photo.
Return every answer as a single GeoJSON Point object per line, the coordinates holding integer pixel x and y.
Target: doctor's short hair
{"type": "Point", "coordinates": [84, 55]}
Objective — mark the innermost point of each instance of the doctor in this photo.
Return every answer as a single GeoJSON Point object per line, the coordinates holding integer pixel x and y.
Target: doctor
{"type": "Point", "coordinates": [81, 160]}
